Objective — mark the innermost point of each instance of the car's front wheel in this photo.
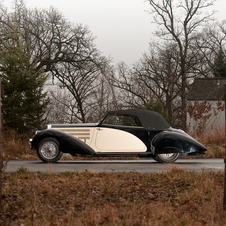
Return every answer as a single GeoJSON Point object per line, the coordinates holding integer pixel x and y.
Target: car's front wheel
{"type": "Point", "coordinates": [48, 150]}
{"type": "Point", "coordinates": [166, 158]}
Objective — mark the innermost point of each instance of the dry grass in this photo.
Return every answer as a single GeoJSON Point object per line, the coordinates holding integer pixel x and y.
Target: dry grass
{"type": "Point", "coordinates": [214, 141]}
{"type": "Point", "coordinates": [16, 147]}
{"type": "Point", "coordinates": [216, 135]}
{"type": "Point", "coordinates": [215, 150]}
{"type": "Point", "coordinates": [174, 198]}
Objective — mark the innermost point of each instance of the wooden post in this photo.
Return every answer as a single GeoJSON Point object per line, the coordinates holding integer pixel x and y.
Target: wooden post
{"type": "Point", "coordinates": [224, 201]}
{"type": "Point", "coordinates": [1, 154]}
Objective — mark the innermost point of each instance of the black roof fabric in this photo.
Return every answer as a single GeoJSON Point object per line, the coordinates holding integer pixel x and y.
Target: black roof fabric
{"type": "Point", "coordinates": [149, 119]}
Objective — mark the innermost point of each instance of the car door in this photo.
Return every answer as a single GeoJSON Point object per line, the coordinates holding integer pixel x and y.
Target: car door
{"type": "Point", "coordinates": [115, 140]}
{"type": "Point", "coordinates": [113, 135]}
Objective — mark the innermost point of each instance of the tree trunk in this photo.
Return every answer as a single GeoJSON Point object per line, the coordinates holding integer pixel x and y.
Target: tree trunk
{"type": "Point", "coordinates": [169, 108]}
{"type": "Point", "coordinates": [183, 102]}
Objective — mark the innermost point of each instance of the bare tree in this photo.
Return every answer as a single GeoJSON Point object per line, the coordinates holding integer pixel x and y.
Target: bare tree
{"type": "Point", "coordinates": [84, 81]}
{"type": "Point", "coordinates": [158, 71]}
{"type": "Point", "coordinates": [155, 77]}
{"type": "Point", "coordinates": [91, 94]}
{"type": "Point", "coordinates": [132, 92]}
{"type": "Point", "coordinates": [180, 21]}
{"type": "Point", "coordinates": [212, 41]}
{"type": "Point", "coordinates": [106, 96]}
{"type": "Point", "coordinates": [62, 106]}
{"type": "Point", "coordinates": [64, 50]}
{"type": "Point", "coordinates": [52, 39]}
{"type": "Point", "coordinates": [80, 83]}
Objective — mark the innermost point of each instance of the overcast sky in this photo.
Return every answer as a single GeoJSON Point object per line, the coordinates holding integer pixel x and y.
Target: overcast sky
{"type": "Point", "coordinates": [122, 28]}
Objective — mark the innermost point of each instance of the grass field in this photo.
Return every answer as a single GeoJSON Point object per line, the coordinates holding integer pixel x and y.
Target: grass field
{"type": "Point", "coordinates": [174, 198]}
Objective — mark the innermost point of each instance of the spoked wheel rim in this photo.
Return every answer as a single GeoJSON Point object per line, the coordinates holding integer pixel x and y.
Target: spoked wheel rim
{"type": "Point", "coordinates": [50, 150]}
{"type": "Point", "coordinates": [168, 156]}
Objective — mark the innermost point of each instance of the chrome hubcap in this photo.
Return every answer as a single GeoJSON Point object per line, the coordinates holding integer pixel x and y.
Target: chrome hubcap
{"type": "Point", "coordinates": [167, 156]}
{"type": "Point", "coordinates": [49, 150]}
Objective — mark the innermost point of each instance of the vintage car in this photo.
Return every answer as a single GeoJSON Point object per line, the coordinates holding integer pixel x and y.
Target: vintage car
{"type": "Point", "coordinates": [124, 133]}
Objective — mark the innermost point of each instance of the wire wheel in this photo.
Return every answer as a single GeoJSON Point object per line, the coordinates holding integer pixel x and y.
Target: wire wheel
{"type": "Point", "coordinates": [167, 158]}
{"type": "Point", "coordinates": [49, 150]}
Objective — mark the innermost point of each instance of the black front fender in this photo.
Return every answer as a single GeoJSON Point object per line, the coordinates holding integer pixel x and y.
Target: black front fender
{"type": "Point", "coordinates": [176, 141]}
{"type": "Point", "coordinates": [68, 143]}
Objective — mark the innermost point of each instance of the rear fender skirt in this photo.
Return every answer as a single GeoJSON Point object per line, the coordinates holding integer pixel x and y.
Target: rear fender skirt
{"type": "Point", "coordinates": [176, 141]}
{"type": "Point", "coordinates": [68, 143]}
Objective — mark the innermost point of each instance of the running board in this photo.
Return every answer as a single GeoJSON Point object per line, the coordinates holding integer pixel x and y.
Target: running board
{"type": "Point", "coordinates": [124, 154]}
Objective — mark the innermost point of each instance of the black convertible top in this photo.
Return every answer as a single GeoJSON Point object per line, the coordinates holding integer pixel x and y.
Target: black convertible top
{"type": "Point", "coordinates": [149, 119]}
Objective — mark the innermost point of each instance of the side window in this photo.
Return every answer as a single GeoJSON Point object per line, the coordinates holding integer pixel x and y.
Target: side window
{"type": "Point", "coordinates": [122, 120]}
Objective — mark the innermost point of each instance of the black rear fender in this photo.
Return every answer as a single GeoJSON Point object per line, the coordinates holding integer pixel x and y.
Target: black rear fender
{"type": "Point", "coordinates": [176, 141]}
{"type": "Point", "coordinates": [68, 143]}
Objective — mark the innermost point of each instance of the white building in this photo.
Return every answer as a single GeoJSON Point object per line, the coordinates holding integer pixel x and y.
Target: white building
{"type": "Point", "coordinates": [205, 105]}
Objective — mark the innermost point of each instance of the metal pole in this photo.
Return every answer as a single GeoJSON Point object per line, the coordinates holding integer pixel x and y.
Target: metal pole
{"type": "Point", "coordinates": [224, 201]}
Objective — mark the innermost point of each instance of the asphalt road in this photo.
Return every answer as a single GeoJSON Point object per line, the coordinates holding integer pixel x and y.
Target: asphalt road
{"type": "Point", "coordinates": [141, 166]}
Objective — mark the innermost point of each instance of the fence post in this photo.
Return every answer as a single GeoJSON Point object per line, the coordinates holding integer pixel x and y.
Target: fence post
{"type": "Point", "coordinates": [1, 154]}
{"type": "Point", "coordinates": [224, 201]}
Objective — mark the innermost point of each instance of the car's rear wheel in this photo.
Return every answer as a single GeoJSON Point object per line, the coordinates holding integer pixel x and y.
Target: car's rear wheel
{"type": "Point", "coordinates": [167, 158]}
{"type": "Point", "coordinates": [48, 150]}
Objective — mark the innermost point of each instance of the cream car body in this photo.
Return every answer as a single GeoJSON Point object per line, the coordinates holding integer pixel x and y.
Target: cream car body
{"type": "Point", "coordinates": [104, 139]}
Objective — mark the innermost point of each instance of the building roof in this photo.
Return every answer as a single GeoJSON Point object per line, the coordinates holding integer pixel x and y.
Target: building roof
{"type": "Point", "coordinates": [207, 89]}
